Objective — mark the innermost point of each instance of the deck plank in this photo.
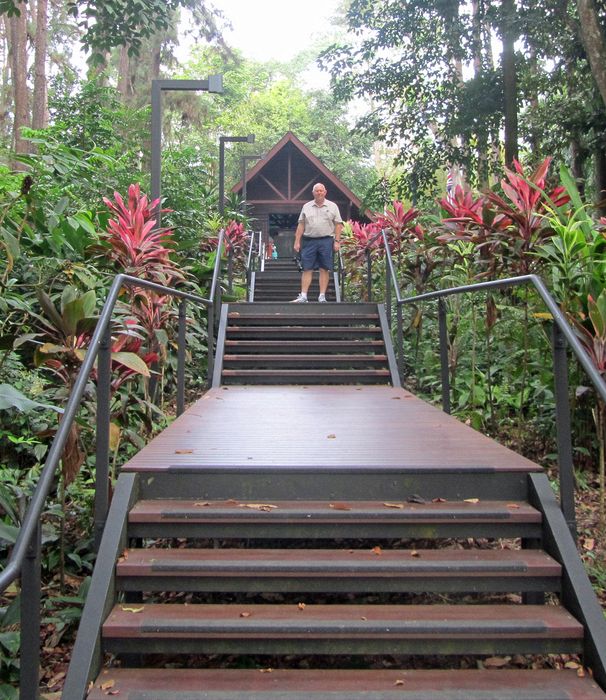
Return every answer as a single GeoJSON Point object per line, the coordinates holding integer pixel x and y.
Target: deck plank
{"type": "Point", "coordinates": [321, 426]}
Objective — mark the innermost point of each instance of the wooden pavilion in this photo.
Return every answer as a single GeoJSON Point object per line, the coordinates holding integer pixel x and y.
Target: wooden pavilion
{"type": "Point", "coordinates": [280, 183]}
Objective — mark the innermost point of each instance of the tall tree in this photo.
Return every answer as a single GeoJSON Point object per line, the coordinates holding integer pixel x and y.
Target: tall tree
{"type": "Point", "coordinates": [40, 98]}
{"type": "Point", "coordinates": [18, 50]}
{"type": "Point", "coordinates": [592, 34]}
{"type": "Point", "coordinates": [510, 79]}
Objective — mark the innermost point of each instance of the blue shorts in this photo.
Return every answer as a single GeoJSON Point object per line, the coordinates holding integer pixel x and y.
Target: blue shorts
{"type": "Point", "coordinates": [316, 253]}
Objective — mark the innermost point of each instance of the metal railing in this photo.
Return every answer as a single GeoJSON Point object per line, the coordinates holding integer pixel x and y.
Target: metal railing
{"type": "Point", "coordinates": [24, 560]}
{"type": "Point", "coordinates": [562, 337]}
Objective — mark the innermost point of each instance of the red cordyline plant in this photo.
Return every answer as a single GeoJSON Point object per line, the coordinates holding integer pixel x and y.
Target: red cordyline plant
{"type": "Point", "coordinates": [137, 245]}
{"type": "Point", "coordinates": [358, 237]}
{"type": "Point", "coordinates": [399, 224]}
{"type": "Point", "coordinates": [528, 202]}
{"type": "Point", "coordinates": [470, 218]}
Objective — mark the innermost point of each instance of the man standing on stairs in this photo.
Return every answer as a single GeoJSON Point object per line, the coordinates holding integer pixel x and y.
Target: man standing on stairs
{"type": "Point", "coordinates": [317, 236]}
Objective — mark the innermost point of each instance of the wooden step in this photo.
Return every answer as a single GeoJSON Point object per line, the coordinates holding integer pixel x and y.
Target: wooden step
{"type": "Point", "coordinates": [322, 519]}
{"type": "Point", "coordinates": [292, 319]}
{"type": "Point", "coordinates": [304, 347]}
{"type": "Point", "coordinates": [306, 376]}
{"type": "Point", "coordinates": [295, 361]}
{"type": "Point", "coordinates": [324, 684]}
{"type": "Point", "coordinates": [341, 629]}
{"type": "Point", "coordinates": [349, 571]}
{"type": "Point", "coordinates": [302, 332]}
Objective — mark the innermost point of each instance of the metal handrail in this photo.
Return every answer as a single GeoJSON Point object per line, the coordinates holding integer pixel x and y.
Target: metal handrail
{"type": "Point", "coordinates": [27, 545]}
{"type": "Point", "coordinates": [563, 335]}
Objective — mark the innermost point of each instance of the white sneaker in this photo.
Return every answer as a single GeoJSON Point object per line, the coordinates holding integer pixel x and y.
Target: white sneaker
{"type": "Point", "coordinates": [301, 299]}
{"type": "Point", "coordinates": [322, 299]}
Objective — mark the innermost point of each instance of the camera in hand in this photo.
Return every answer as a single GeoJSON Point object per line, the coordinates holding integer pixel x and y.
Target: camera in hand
{"type": "Point", "coordinates": [297, 260]}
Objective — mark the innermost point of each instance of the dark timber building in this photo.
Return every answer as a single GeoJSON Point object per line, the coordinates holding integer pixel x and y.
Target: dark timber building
{"type": "Point", "coordinates": [280, 183]}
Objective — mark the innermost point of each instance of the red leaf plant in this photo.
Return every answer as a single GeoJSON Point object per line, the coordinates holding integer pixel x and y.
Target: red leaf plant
{"type": "Point", "coordinates": [399, 225]}
{"type": "Point", "coordinates": [470, 218]}
{"type": "Point", "coordinates": [358, 237]}
{"type": "Point", "coordinates": [525, 209]}
{"type": "Point", "coordinates": [138, 246]}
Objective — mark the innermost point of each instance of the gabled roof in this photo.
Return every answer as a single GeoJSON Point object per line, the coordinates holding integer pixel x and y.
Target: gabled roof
{"type": "Point", "coordinates": [319, 171]}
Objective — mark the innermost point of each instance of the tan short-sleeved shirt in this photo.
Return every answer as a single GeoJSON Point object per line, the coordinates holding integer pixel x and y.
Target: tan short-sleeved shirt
{"type": "Point", "coordinates": [320, 221]}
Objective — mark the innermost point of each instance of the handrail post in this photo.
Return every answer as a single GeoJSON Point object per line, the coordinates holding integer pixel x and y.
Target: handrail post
{"type": "Point", "coordinates": [400, 340]}
{"type": "Point", "coordinates": [29, 674]}
{"type": "Point", "coordinates": [181, 358]}
{"type": "Point", "coordinates": [562, 409]}
{"type": "Point", "coordinates": [104, 368]}
{"type": "Point", "coordinates": [368, 275]}
{"type": "Point", "coordinates": [388, 293]}
{"type": "Point", "coordinates": [443, 328]}
{"type": "Point", "coordinates": [230, 269]}
{"type": "Point", "coordinates": [211, 342]}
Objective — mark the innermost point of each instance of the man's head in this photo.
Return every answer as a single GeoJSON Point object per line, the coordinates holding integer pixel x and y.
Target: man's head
{"type": "Point", "coordinates": [319, 192]}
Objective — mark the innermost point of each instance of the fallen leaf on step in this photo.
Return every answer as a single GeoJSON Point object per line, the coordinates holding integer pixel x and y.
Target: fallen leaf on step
{"type": "Point", "coordinates": [258, 506]}
{"type": "Point", "coordinates": [202, 503]}
{"type": "Point", "coordinates": [363, 618]}
{"type": "Point", "coordinates": [113, 692]}
{"type": "Point", "coordinates": [377, 550]}
{"type": "Point", "coordinates": [231, 501]}
{"type": "Point", "coordinates": [439, 500]}
{"type": "Point", "coordinates": [245, 614]}
{"type": "Point", "coordinates": [472, 500]}
{"type": "Point", "coordinates": [133, 610]}
{"type": "Point", "coordinates": [394, 505]}
{"type": "Point", "coordinates": [589, 544]}
{"type": "Point", "coordinates": [581, 672]}
{"type": "Point", "coordinates": [332, 436]}
{"type": "Point", "coordinates": [416, 499]}
{"type": "Point", "coordinates": [301, 606]}
{"type": "Point", "coordinates": [399, 682]}
{"type": "Point", "coordinates": [183, 452]}
{"type": "Point", "coordinates": [107, 685]}
{"type": "Point", "coordinates": [414, 553]}
{"type": "Point", "coordinates": [266, 670]}
{"type": "Point", "coordinates": [572, 664]}
{"type": "Point", "coordinates": [513, 505]}
{"type": "Point", "coordinates": [396, 398]}
{"type": "Point", "coordinates": [496, 661]}
{"type": "Point", "coordinates": [339, 506]}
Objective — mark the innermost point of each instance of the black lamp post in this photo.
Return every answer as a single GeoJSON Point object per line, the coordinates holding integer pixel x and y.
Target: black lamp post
{"type": "Point", "coordinates": [222, 141]}
{"type": "Point", "coordinates": [214, 84]}
{"type": "Point", "coordinates": [244, 160]}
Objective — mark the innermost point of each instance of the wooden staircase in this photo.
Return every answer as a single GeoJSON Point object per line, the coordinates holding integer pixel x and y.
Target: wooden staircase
{"type": "Point", "coordinates": [335, 542]}
{"type": "Point", "coordinates": [277, 343]}
{"type": "Point", "coordinates": [280, 281]}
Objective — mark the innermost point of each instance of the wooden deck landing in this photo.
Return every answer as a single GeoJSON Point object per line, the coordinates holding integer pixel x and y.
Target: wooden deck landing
{"type": "Point", "coordinates": [321, 426]}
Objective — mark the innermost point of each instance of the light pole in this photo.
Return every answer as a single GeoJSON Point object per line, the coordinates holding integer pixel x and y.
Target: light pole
{"type": "Point", "coordinates": [222, 141]}
{"type": "Point", "coordinates": [244, 160]}
{"type": "Point", "coordinates": [213, 84]}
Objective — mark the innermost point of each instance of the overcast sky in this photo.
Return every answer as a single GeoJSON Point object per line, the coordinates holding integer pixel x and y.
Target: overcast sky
{"type": "Point", "coordinates": [276, 29]}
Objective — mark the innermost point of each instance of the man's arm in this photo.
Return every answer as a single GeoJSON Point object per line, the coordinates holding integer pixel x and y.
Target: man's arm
{"type": "Point", "coordinates": [298, 236]}
{"type": "Point", "coordinates": [338, 231]}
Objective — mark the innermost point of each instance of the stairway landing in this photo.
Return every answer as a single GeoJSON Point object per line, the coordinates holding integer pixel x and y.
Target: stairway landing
{"type": "Point", "coordinates": [319, 427]}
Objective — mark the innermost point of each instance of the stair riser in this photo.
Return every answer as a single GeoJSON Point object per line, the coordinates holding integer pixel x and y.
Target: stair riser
{"type": "Point", "coordinates": [303, 362]}
{"type": "Point", "coordinates": [301, 532]}
{"type": "Point", "coordinates": [286, 380]}
{"type": "Point", "coordinates": [309, 348]}
{"type": "Point", "coordinates": [268, 308]}
{"type": "Point", "coordinates": [342, 484]}
{"type": "Point", "coordinates": [308, 585]}
{"type": "Point", "coordinates": [301, 645]}
{"type": "Point", "coordinates": [312, 332]}
{"type": "Point", "coordinates": [285, 319]}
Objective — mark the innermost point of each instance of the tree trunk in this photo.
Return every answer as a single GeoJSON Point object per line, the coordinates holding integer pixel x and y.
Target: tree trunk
{"type": "Point", "coordinates": [40, 103]}
{"type": "Point", "coordinates": [18, 28]}
{"type": "Point", "coordinates": [578, 156]}
{"type": "Point", "coordinates": [594, 43]}
{"type": "Point", "coordinates": [600, 180]}
{"type": "Point", "coordinates": [124, 82]}
{"type": "Point", "coordinates": [510, 82]}
{"type": "Point", "coordinates": [5, 86]}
